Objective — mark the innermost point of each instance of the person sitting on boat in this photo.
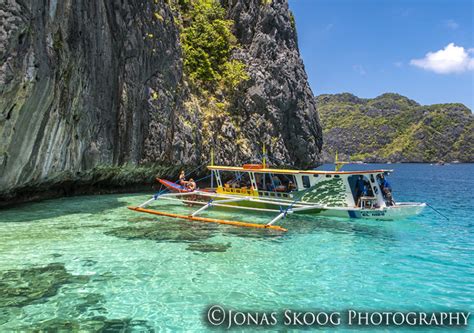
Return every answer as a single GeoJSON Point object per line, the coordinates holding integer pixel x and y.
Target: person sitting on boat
{"type": "Point", "coordinates": [388, 197]}
{"type": "Point", "coordinates": [191, 185]}
{"type": "Point", "coordinates": [276, 181]}
{"type": "Point", "coordinates": [270, 187]}
{"type": "Point", "coordinates": [361, 189]}
{"type": "Point", "coordinates": [386, 190]}
{"type": "Point", "coordinates": [291, 186]}
{"type": "Point", "coordinates": [368, 189]}
{"type": "Point", "coordinates": [384, 183]}
{"type": "Point", "coordinates": [182, 178]}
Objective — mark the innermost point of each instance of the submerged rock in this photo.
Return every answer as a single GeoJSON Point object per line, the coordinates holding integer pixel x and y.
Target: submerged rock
{"type": "Point", "coordinates": [165, 232]}
{"type": "Point", "coordinates": [7, 313]}
{"type": "Point", "coordinates": [89, 304]}
{"type": "Point", "coordinates": [95, 324]}
{"type": "Point", "coordinates": [20, 287]}
{"type": "Point", "coordinates": [88, 262]}
{"type": "Point", "coordinates": [208, 247]}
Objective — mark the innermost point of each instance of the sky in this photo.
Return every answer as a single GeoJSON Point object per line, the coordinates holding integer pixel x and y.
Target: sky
{"type": "Point", "coordinates": [422, 49]}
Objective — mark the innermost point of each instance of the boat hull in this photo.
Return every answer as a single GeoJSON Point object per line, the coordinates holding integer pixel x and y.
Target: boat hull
{"type": "Point", "coordinates": [400, 211]}
{"type": "Point", "coordinates": [389, 213]}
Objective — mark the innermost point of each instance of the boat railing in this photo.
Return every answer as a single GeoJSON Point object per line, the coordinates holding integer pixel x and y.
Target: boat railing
{"type": "Point", "coordinates": [238, 190]}
{"type": "Point", "coordinates": [275, 194]}
{"type": "Point", "coordinates": [261, 193]}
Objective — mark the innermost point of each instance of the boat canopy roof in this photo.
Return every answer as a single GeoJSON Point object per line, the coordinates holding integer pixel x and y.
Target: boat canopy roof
{"type": "Point", "coordinates": [293, 172]}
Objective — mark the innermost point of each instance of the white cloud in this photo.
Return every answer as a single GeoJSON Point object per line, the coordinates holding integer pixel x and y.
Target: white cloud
{"type": "Point", "coordinates": [451, 59]}
{"type": "Point", "coordinates": [451, 24]}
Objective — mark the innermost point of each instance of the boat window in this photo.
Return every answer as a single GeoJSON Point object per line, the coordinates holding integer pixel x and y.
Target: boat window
{"type": "Point", "coordinates": [280, 183]}
{"type": "Point", "coordinates": [372, 178]}
{"type": "Point", "coordinates": [236, 180]}
{"type": "Point", "coordinates": [316, 175]}
{"type": "Point", "coordinates": [360, 188]}
{"type": "Point", "coordinates": [328, 176]}
{"type": "Point", "coordinates": [337, 176]}
{"type": "Point", "coordinates": [306, 182]}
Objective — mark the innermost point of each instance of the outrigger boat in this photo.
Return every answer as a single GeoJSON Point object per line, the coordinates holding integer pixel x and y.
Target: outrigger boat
{"type": "Point", "coordinates": [254, 187]}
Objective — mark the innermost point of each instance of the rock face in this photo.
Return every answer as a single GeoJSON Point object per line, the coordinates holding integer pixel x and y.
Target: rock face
{"type": "Point", "coordinates": [394, 128]}
{"type": "Point", "coordinates": [278, 104]}
{"type": "Point", "coordinates": [86, 84]}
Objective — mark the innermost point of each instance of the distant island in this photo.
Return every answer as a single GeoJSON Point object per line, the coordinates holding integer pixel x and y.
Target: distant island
{"type": "Point", "coordinates": [394, 128]}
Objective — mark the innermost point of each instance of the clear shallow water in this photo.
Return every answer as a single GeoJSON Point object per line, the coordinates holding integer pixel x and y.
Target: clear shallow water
{"type": "Point", "coordinates": [127, 268]}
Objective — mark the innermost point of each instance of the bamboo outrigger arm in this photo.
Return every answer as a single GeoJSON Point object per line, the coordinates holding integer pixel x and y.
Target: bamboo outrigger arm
{"type": "Point", "coordinates": [222, 202]}
{"type": "Point", "coordinates": [209, 220]}
{"type": "Point", "coordinates": [155, 197]}
{"type": "Point", "coordinates": [277, 218]}
{"type": "Point", "coordinates": [210, 203]}
{"type": "Point", "coordinates": [291, 210]}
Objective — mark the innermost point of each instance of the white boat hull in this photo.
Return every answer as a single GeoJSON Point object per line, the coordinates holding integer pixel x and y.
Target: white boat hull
{"type": "Point", "coordinates": [400, 211]}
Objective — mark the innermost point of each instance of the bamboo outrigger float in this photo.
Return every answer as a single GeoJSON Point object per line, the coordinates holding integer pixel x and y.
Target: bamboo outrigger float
{"type": "Point", "coordinates": [257, 188]}
{"type": "Point", "coordinates": [208, 220]}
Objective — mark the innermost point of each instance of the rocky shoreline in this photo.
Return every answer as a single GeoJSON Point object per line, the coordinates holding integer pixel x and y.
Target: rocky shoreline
{"type": "Point", "coordinates": [100, 180]}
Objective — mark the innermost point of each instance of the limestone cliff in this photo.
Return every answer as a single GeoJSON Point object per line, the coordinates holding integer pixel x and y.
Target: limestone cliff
{"type": "Point", "coordinates": [91, 84]}
{"type": "Point", "coordinates": [277, 104]}
{"type": "Point", "coordinates": [394, 128]}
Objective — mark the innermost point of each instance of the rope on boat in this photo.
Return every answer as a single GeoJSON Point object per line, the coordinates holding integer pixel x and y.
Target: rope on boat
{"type": "Point", "coordinates": [160, 192]}
{"type": "Point", "coordinates": [194, 170]}
{"type": "Point", "coordinates": [437, 211]}
{"type": "Point", "coordinates": [200, 179]}
{"type": "Point", "coordinates": [209, 220]}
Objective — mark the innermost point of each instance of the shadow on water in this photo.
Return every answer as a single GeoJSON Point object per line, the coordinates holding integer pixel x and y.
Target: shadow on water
{"type": "Point", "coordinates": [50, 209]}
{"type": "Point", "coordinates": [301, 224]}
{"type": "Point", "coordinates": [357, 227]}
{"type": "Point", "coordinates": [172, 230]}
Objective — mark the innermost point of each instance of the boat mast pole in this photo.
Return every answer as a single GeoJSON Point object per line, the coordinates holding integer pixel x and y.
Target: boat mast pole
{"type": "Point", "coordinates": [264, 163]}
{"type": "Point", "coordinates": [212, 164]}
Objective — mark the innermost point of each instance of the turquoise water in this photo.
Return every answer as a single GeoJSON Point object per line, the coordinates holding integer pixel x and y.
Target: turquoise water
{"type": "Point", "coordinates": [114, 269]}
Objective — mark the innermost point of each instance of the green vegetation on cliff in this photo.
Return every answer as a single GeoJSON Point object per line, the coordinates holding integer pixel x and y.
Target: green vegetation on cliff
{"type": "Point", "coordinates": [394, 128]}
{"type": "Point", "coordinates": [207, 41]}
{"type": "Point", "coordinates": [210, 70]}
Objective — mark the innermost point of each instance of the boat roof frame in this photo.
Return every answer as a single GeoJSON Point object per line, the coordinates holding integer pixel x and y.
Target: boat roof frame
{"type": "Point", "coordinates": [295, 172]}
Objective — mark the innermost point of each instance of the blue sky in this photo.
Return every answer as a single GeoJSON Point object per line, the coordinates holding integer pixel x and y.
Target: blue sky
{"type": "Point", "coordinates": [422, 49]}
